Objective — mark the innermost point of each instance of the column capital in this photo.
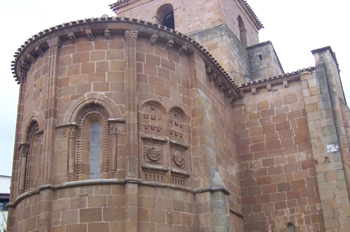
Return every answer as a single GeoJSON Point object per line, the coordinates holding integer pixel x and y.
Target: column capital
{"type": "Point", "coordinates": [131, 34]}
{"type": "Point", "coordinates": [23, 149]}
{"type": "Point", "coordinates": [56, 41]}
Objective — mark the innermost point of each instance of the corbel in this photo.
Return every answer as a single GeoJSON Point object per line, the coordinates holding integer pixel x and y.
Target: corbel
{"type": "Point", "coordinates": [212, 76]}
{"type": "Point", "coordinates": [169, 44]}
{"type": "Point", "coordinates": [31, 58]}
{"type": "Point", "coordinates": [182, 50]}
{"type": "Point", "coordinates": [254, 91]}
{"type": "Point", "coordinates": [227, 93]}
{"type": "Point", "coordinates": [24, 65]}
{"type": "Point", "coordinates": [39, 50]}
{"type": "Point", "coordinates": [72, 37]}
{"type": "Point", "coordinates": [107, 34]}
{"type": "Point", "coordinates": [285, 84]}
{"type": "Point", "coordinates": [240, 94]}
{"type": "Point", "coordinates": [89, 35]}
{"type": "Point", "coordinates": [269, 87]}
{"type": "Point", "coordinates": [208, 69]}
{"type": "Point", "coordinates": [153, 39]}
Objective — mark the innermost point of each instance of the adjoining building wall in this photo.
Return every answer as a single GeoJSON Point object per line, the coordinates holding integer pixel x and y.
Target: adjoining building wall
{"type": "Point", "coordinates": [277, 169]}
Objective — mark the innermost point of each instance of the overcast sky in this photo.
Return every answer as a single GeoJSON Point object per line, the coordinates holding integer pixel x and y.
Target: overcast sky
{"type": "Point", "coordinates": [294, 27]}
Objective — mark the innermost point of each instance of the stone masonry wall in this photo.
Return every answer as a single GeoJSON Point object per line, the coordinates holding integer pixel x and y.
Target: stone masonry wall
{"type": "Point", "coordinates": [228, 50]}
{"type": "Point", "coordinates": [277, 170]}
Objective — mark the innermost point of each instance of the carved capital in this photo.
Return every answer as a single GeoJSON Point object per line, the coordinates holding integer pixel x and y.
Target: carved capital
{"type": "Point", "coordinates": [131, 34]}
{"type": "Point", "coordinates": [71, 132]}
{"type": "Point", "coordinates": [54, 42]}
{"type": "Point", "coordinates": [23, 149]}
{"type": "Point", "coordinates": [113, 127]}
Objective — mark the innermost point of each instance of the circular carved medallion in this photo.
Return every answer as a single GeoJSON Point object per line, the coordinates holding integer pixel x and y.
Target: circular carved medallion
{"type": "Point", "coordinates": [153, 154]}
{"type": "Point", "coordinates": [179, 158]}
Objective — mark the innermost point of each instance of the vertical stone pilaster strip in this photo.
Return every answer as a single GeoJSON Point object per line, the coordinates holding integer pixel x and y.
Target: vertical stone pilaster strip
{"type": "Point", "coordinates": [49, 133]}
{"type": "Point", "coordinates": [114, 140]}
{"type": "Point", "coordinates": [23, 153]}
{"type": "Point", "coordinates": [131, 103]}
{"type": "Point", "coordinates": [71, 153]}
{"type": "Point", "coordinates": [131, 189]}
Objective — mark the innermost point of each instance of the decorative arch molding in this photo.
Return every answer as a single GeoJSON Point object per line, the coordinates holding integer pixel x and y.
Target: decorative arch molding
{"type": "Point", "coordinates": [178, 109]}
{"type": "Point", "coordinates": [153, 102]}
{"type": "Point", "coordinates": [85, 117]}
{"type": "Point", "coordinates": [97, 98]}
{"type": "Point", "coordinates": [38, 118]}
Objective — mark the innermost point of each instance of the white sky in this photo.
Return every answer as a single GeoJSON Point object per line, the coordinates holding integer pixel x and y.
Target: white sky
{"type": "Point", "coordinates": [294, 27]}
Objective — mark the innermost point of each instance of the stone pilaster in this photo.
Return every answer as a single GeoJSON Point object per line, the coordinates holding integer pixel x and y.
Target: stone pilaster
{"type": "Point", "coordinates": [49, 133]}
{"type": "Point", "coordinates": [131, 189]}
{"type": "Point", "coordinates": [328, 139]}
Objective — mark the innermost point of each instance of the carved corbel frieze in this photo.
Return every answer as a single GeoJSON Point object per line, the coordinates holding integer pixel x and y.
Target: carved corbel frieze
{"type": "Point", "coordinates": [153, 39]}
{"type": "Point", "coordinates": [72, 37]}
{"type": "Point", "coordinates": [107, 34]}
{"type": "Point", "coordinates": [285, 84]}
{"type": "Point", "coordinates": [89, 35]}
{"type": "Point", "coordinates": [39, 50]}
{"type": "Point", "coordinates": [23, 151]}
{"type": "Point", "coordinates": [182, 50]}
{"type": "Point", "coordinates": [169, 44]}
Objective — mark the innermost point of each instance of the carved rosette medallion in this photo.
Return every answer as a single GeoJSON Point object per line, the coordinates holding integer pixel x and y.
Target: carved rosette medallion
{"type": "Point", "coordinates": [179, 158]}
{"type": "Point", "coordinates": [153, 154]}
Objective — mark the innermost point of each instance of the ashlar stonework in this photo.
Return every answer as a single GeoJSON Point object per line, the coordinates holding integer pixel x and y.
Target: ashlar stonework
{"type": "Point", "coordinates": [173, 117]}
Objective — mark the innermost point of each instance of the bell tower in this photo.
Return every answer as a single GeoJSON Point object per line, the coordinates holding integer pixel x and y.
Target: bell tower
{"type": "Point", "coordinates": [224, 27]}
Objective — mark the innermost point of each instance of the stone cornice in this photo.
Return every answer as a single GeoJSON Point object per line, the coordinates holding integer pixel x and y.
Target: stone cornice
{"type": "Point", "coordinates": [82, 183]}
{"type": "Point", "coordinates": [38, 42]}
{"type": "Point", "coordinates": [276, 80]}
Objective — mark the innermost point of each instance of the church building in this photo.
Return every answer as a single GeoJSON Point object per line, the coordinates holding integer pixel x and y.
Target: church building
{"type": "Point", "coordinates": [172, 116]}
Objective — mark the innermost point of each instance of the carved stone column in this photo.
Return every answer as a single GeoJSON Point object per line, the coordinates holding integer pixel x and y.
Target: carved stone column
{"type": "Point", "coordinates": [23, 150]}
{"type": "Point", "coordinates": [71, 153]}
{"type": "Point", "coordinates": [131, 188]}
{"type": "Point", "coordinates": [114, 141]}
{"type": "Point", "coordinates": [117, 129]}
